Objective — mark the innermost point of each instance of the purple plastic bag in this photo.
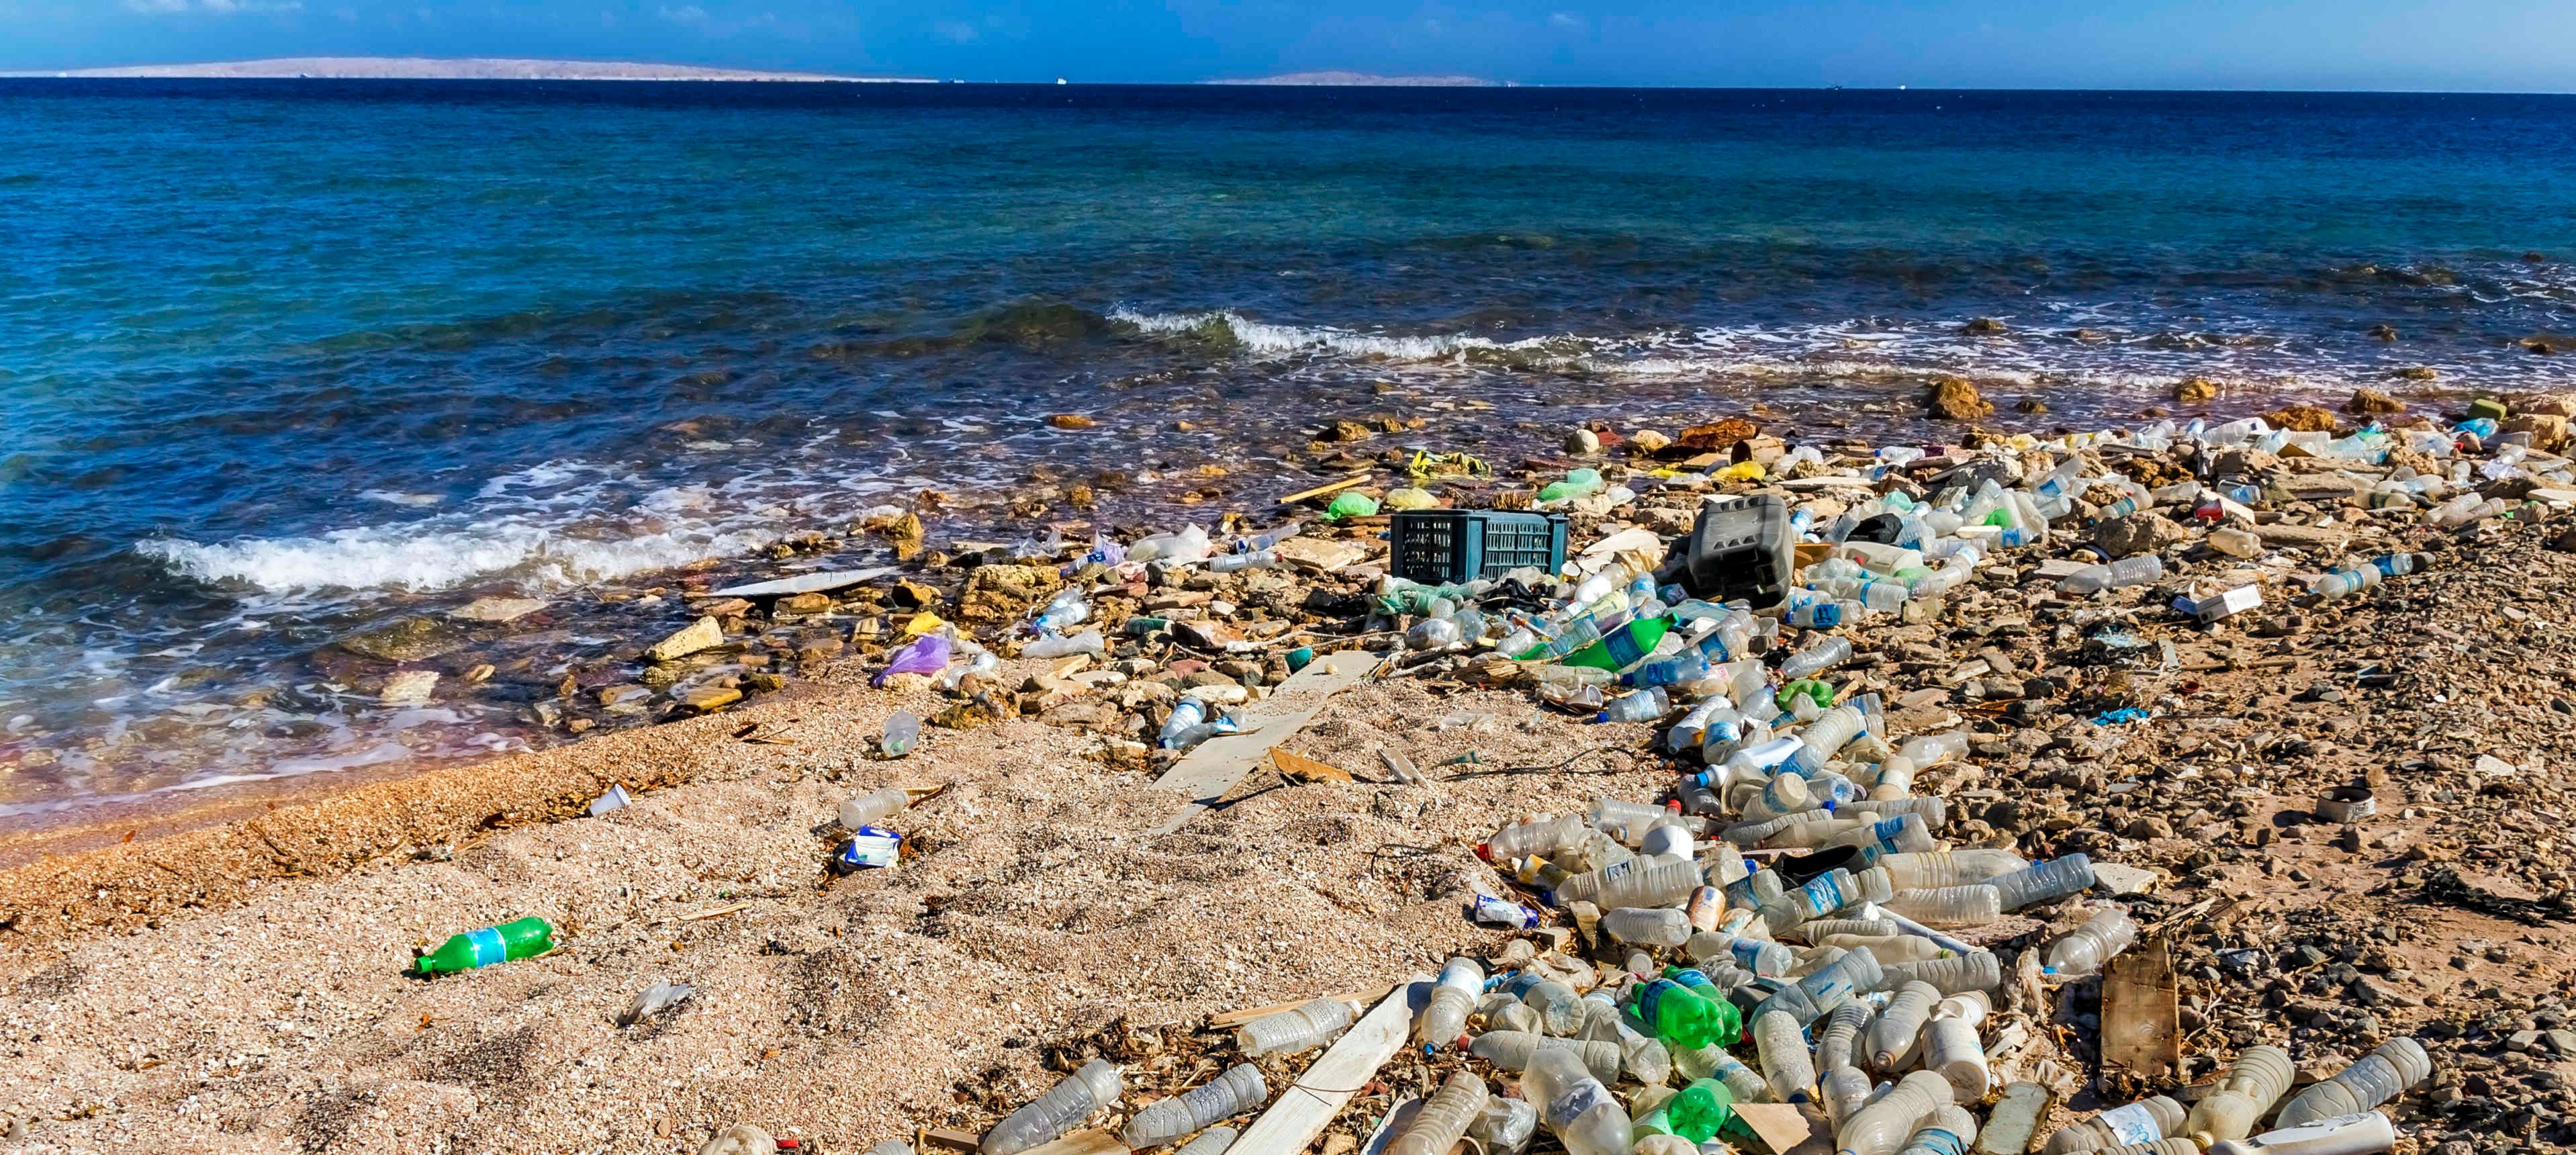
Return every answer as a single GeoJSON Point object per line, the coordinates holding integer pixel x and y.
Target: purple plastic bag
{"type": "Point", "coordinates": [928, 654]}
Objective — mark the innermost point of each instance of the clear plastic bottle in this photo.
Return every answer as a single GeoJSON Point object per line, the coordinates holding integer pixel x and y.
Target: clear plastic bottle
{"type": "Point", "coordinates": [1079, 1096]}
{"type": "Point", "coordinates": [1647, 926]}
{"type": "Point", "coordinates": [1713, 1062]}
{"type": "Point", "coordinates": [2373, 1079]}
{"type": "Point", "coordinates": [1894, 1035]}
{"type": "Point", "coordinates": [1948, 1132]}
{"type": "Point", "coordinates": [1838, 890]}
{"type": "Point", "coordinates": [2362, 1133]}
{"type": "Point", "coordinates": [1560, 1010]}
{"type": "Point", "coordinates": [2248, 1091]}
{"type": "Point", "coordinates": [1516, 1050]}
{"type": "Point", "coordinates": [1953, 1049]}
{"type": "Point", "coordinates": [1238, 1090]}
{"type": "Point", "coordinates": [902, 733]}
{"type": "Point", "coordinates": [1625, 821]}
{"type": "Point", "coordinates": [2093, 945]}
{"type": "Point", "coordinates": [1505, 1126]}
{"type": "Point", "coordinates": [1816, 659]}
{"type": "Point", "coordinates": [1636, 882]}
{"type": "Point", "coordinates": [1838, 1040]}
{"type": "Point", "coordinates": [2144, 1121]}
{"type": "Point", "coordinates": [1884, 1126]}
{"type": "Point", "coordinates": [1576, 1105]}
{"type": "Point", "coordinates": [1785, 1063]}
{"type": "Point", "coordinates": [1647, 705]}
{"type": "Point", "coordinates": [2055, 878]}
{"type": "Point", "coordinates": [1444, 1117]}
{"type": "Point", "coordinates": [1896, 834]}
{"type": "Point", "coordinates": [1958, 974]}
{"type": "Point", "coordinates": [2128, 571]}
{"type": "Point", "coordinates": [1546, 836]}
{"type": "Point", "coordinates": [1453, 998]}
{"type": "Point", "coordinates": [870, 809]}
{"type": "Point", "coordinates": [1432, 634]}
{"type": "Point", "coordinates": [1642, 1057]}
{"type": "Point", "coordinates": [1950, 868]}
{"type": "Point", "coordinates": [1762, 957]}
{"type": "Point", "coordinates": [1856, 973]}
{"type": "Point", "coordinates": [1061, 646]}
{"type": "Point", "coordinates": [1249, 559]}
{"type": "Point", "coordinates": [1294, 1031]}
{"type": "Point", "coordinates": [1822, 738]}
{"type": "Point", "coordinates": [1949, 906]}
{"type": "Point", "coordinates": [1844, 1091]}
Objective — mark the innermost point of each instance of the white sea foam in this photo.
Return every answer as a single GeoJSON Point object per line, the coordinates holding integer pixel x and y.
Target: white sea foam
{"type": "Point", "coordinates": [1264, 338]}
{"type": "Point", "coordinates": [417, 559]}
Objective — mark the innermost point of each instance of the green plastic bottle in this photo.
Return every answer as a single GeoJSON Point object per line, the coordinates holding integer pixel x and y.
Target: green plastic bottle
{"type": "Point", "coordinates": [1700, 1111]}
{"type": "Point", "coordinates": [1578, 483]}
{"type": "Point", "coordinates": [522, 938]}
{"type": "Point", "coordinates": [1623, 647]}
{"type": "Point", "coordinates": [1819, 692]}
{"type": "Point", "coordinates": [1685, 1018]}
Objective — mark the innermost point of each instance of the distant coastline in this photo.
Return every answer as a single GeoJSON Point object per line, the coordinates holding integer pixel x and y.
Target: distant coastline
{"type": "Point", "coordinates": [1365, 80]}
{"type": "Point", "coordinates": [433, 68]}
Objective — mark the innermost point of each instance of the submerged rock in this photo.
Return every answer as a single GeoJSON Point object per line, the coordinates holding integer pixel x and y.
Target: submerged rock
{"type": "Point", "coordinates": [702, 634]}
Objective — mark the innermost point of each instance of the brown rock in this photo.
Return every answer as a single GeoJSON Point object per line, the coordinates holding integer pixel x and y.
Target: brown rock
{"type": "Point", "coordinates": [1982, 327]}
{"type": "Point", "coordinates": [2419, 373]}
{"type": "Point", "coordinates": [968, 715]}
{"type": "Point", "coordinates": [1003, 592]}
{"type": "Point", "coordinates": [403, 640]}
{"type": "Point", "coordinates": [2136, 534]}
{"type": "Point", "coordinates": [805, 604]}
{"type": "Point", "coordinates": [1583, 443]}
{"type": "Point", "coordinates": [2301, 419]}
{"type": "Point", "coordinates": [1346, 431]}
{"type": "Point", "coordinates": [2372, 402]}
{"type": "Point", "coordinates": [2547, 430]}
{"type": "Point", "coordinates": [2384, 332]}
{"type": "Point", "coordinates": [914, 595]}
{"type": "Point", "coordinates": [708, 699]}
{"type": "Point", "coordinates": [1071, 421]}
{"type": "Point", "coordinates": [1649, 441]}
{"type": "Point", "coordinates": [1956, 399]}
{"type": "Point", "coordinates": [2546, 404]}
{"type": "Point", "coordinates": [1717, 436]}
{"type": "Point", "coordinates": [702, 634]}
{"type": "Point", "coordinates": [2194, 390]}
{"type": "Point", "coordinates": [2030, 405]}
{"type": "Point", "coordinates": [907, 536]}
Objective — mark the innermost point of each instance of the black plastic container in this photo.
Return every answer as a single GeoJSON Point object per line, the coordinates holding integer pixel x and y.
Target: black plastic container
{"type": "Point", "coordinates": [1738, 549]}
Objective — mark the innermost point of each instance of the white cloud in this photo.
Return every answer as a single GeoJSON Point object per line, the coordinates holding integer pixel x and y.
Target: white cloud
{"type": "Point", "coordinates": [957, 32]}
{"type": "Point", "coordinates": [211, 7]}
{"type": "Point", "coordinates": [1564, 20]}
{"type": "Point", "coordinates": [685, 14]}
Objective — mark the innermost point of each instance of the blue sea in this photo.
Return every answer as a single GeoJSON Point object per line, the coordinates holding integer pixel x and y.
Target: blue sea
{"type": "Point", "coordinates": [283, 361]}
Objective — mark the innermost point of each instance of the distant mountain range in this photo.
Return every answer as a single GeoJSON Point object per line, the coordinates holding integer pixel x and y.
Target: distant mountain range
{"type": "Point", "coordinates": [1368, 80]}
{"type": "Point", "coordinates": [468, 68]}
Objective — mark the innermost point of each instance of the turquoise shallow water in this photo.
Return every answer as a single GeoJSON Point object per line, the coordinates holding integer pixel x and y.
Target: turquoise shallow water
{"type": "Point", "coordinates": [281, 360]}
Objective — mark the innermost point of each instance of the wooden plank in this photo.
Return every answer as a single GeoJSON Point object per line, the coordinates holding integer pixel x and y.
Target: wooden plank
{"type": "Point", "coordinates": [2141, 1027]}
{"type": "Point", "coordinates": [1321, 490]}
{"type": "Point", "coordinates": [1305, 1107]}
{"type": "Point", "coordinates": [1297, 767]}
{"type": "Point", "coordinates": [1229, 1020]}
{"type": "Point", "coordinates": [944, 1139]}
{"type": "Point", "coordinates": [1214, 766]}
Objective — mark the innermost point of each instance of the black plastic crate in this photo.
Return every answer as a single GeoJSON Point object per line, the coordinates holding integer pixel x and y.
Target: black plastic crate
{"type": "Point", "coordinates": [1737, 549]}
{"type": "Point", "coordinates": [1441, 546]}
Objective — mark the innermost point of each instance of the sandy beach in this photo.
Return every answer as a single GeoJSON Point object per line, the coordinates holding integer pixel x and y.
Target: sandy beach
{"type": "Point", "coordinates": [241, 986]}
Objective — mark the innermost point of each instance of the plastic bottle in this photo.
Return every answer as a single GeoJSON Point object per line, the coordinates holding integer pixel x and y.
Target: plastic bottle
{"type": "Point", "coordinates": [2365, 1133]}
{"type": "Point", "coordinates": [1700, 1110]}
{"type": "Point", "coordinates": [1958, 974]}
{"type": "Point", "coordinates": [1949, 906]}
{"type": "Point", "coordinates": [1453, 998]}
{"type": "Point", "coordinates": [1762, 957]}
{"type": "Point", "coordinates": [1644, 882]}
{"type": "Point", "coordinates": [1686, 1018]}
{"type": "Point", "coordinates": [1576, 1105]}
{"type": "Point", "coordinates": [1647, 926]}
{"type": "Point", "coordinates": [2144, 1121]}
{"type": "Point", "coordinates": [902, 733]}
{"type": "Point", "coordinates": [1238, 1090]}
{"type": "Point", "coordinates": [1893, 1036]}
{"type": "Point", "coordinates": [2374, 1079]}
{"type": "Point", "coordinates": [508, 942]}
{"type": "Point", "coordinates": [1560, 1010]}
{"type": "Point", "coordinates": [1785, 1065]}
{"type": "Point", "coordinates": [1948, 1132]}
{"type": "Point", "coordinates": [1517, 1050]}
{"type": "Point", "coordinates": [1687, 666]}
{"type": "Point", "coordinates": [1950, 868]}
{"type": "Point", "coordinates": [1081, 1095]}
{"type": "Point", "coordinates": [1885, 1125]}
{"type": "Point", "coordinates": [1294, 1031]}
{"type": "Point", "coordinates": [2248, 1091]}
{"type": "Point", "coordinates": [1505, 1125]}
{"type": "Point", "coordinates": [1896, 834]}
{"type": "Point", "coordinates": [1953, 1049]}
{"type": "Point", "coordinates": [1059, 646]}
{"type": "Point", "coordinates": [1712, 1062]}
{"type": "Point", "coordinates": [1837, 890]}
{"type": "Point", "coordinates": [1822, 738]}
{"type": "Point", "coordinates": [1444, 1117]}
{"type": "Point", "coordinates": [1212, 1141]}
{"type": "Point", "coordinates": [2090, 946]}
{"type": "Point", "coordinates": [1543, 837]}
{"type": "Point", "coordinates": [870, 809]}
{"type": "Point", "coordinates": [1844, 1090]}
{"type": "Point", "coordinates": [1838, 1039]}
{"type": "Point", "coordinates": [1816, 659]}
{"type": "Point", "coordinates": [2055, 878]}
{"type": "Point", "coordinates": [1647, 705]}
{"type": "Point", "coordinates": [1432, 634]}
{"type": "Point", "coordinates": [2127, 571]}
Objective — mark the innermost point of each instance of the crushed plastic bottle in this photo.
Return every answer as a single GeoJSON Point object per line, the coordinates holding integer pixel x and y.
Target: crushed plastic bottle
{"type": "Point", "coordinates": [2144, 1121]}
{"type": "Point", "coordinates": [1505, 1126]}
{"type": "Point", "coordinates": [1886, 1123]}
{"type": "Point", "coordinates": [1444, 1117]}
{"type": "Point", "coordinates": [1453, 999]}
{"type": "Point", "coordinates": [1294, 1031]}
{"type": "Point", "coordinates": [2044, 881]}
{"type": "Point", "coordinates": [2093, 945]}
{"type": "Point", "coordinates": [2373, 1079]}
{"type": "Point", "coordinates": [1238, 1090]}
{"type": "Point", "coordinates": [2252, 1084]}
{"type": "Point", "coordinates": [1079, 1096]}
{"type": "Point", "coordinates": [1786, 1066]}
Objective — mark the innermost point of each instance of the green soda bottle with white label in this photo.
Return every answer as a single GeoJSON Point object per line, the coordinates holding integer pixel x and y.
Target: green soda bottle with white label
{"type": "Point", "coordinates": [518, 939]}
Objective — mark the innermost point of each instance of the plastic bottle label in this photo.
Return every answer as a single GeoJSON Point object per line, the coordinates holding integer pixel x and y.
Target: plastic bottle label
{"type": "Point", "coordinates": [1501, 912]}
{"type": "Point", "coordinates": [1823, 896]}
{"type": "Point", "coordinates": [488, 947]}
{"type": "Point", "coordinates": [1586, 1096]}
{"type": "Point", "coordinates": [2131, 1124]}
{"type": "Point", "coordinates": [1937, 1142]}
{"type": "Point", "coordinates": [871, 846]}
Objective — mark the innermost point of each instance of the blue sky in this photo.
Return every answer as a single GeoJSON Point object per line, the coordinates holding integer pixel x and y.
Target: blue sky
{"type": "Point", "coordinates": [2513, 45]}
